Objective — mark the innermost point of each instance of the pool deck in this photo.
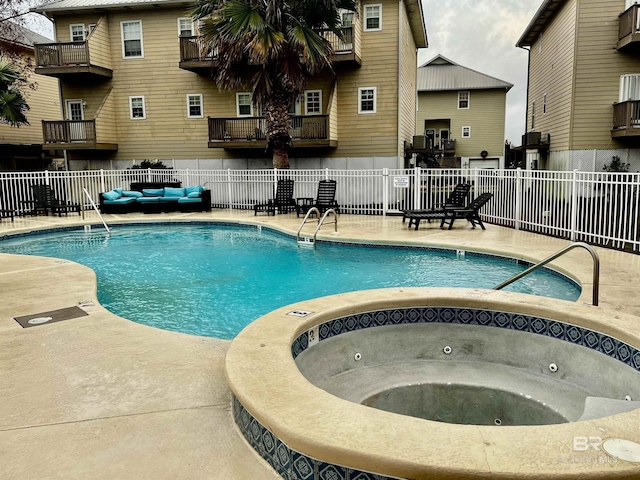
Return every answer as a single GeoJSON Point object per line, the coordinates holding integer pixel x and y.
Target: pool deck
{"type": "Point", "coordinates": [102, 397]}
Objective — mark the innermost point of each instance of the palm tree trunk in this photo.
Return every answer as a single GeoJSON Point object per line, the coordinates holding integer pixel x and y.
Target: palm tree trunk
{"type": "Point", "coordinates": [278, 125]}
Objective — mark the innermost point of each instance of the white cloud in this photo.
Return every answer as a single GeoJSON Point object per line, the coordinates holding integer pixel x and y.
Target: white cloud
{"type": "Point", "coordinates": [481, 35]}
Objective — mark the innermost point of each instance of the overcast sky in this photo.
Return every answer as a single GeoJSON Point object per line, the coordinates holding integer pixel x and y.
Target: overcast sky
{"type": "Point", "coordinates": [481, 35]}
{"type": "Point", "coordinates": [478, 34]}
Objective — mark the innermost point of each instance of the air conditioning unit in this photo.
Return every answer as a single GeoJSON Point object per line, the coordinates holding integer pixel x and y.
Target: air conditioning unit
{"type": "Point", "coordinates": [419, 142]}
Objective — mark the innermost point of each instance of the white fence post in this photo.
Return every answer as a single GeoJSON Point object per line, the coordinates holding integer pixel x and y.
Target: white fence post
{"type": "Point", "coordinates": [102, 185]}
{"type": "Point", "coordinates": [46, 177]}
{"type": "Point", "coordinates": [229, 187]}
{"type": "Point", "coordinates": [385, 191]}
{"type": "Point", "coordinates": [518, 212]}
{"type": "Point", "coordinates": [416, 189]}
{"type": "Point", "coordinates": [574, 205]}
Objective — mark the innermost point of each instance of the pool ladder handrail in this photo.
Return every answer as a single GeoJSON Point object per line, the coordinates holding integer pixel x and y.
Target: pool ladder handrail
{"type": "Point", "coordinates": [97, 211]}
{"type": "Point", "coordinates": [587, 247]}
{"type": "Point", "coordinates": [320, 223]}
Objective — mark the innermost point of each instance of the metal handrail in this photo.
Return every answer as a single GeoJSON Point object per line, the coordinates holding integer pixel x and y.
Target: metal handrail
{"type": "Point", "coordinates": [320, 222]}
{"type": "Point", "coordinates": [97, 211]}
{"type": "Point", "coordinates": [587, 247]}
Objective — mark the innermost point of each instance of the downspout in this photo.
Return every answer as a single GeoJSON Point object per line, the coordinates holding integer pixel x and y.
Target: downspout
{"type": "Point", "coordinates": [526, 114]}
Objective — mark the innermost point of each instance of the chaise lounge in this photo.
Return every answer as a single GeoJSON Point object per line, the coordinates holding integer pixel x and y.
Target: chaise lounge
{"type": "Point", "coordinates": [155, 200]}
{"type": "Point", "coordinates": [449, 215]}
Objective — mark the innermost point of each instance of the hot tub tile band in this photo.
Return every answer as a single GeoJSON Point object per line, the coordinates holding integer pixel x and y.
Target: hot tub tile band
{"type": "Point", "coordinates": [288, 463]}
{"type": "Point", "coordinates": [577, 335]}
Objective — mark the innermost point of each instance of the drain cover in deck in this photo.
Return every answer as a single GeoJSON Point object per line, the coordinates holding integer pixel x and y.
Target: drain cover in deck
{"type": "Point", "coordinates": [50, 317]}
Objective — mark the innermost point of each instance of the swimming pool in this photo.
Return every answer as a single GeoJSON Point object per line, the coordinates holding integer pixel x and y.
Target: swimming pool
{"type": "Point", "coordinates": [213, 279]}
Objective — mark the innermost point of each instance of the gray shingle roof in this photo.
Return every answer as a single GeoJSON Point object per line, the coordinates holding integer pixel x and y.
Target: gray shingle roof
{"type": "Point", "coordinates": [440, 73]}
{"type": "Point", "coordinates": [23, 36]}
{"type": "Point", "coordinates": [67, 5]}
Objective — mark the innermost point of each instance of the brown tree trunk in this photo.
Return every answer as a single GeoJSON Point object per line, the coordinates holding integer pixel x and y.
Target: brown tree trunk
{"type": "Point", "coordinates": [278, 125]}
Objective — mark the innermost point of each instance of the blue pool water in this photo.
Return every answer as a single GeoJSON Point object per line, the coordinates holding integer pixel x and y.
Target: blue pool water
{"type": "Point", "coordinates": [213, 280]}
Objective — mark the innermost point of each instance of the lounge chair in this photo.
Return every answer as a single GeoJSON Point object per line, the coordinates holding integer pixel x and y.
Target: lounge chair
{"type": "Point", "coordinates": [449, 215]}
{"type": "Point", "coordinates": [283, 200]}
{"type": "Point", "coordinates": [45, 201]}
{"type": "Point", "coordinates": [325, 199]}
{"type": "Point", "coordinates": [456, 199]}
{"type": "Point", "coordinates": [471, 212]}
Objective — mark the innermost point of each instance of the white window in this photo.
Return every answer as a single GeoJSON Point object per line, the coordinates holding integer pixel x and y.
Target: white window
{"type": "Point", "coordinates": [185, 27]}
{"type": "Point", "coordinates": [466, 132]}
{"type": "Point", "coordinates": [629, 88]}
{"type": "Point", "coordinates": [346, 18]}
{"type": "Point", "coordinates": [194, 106]}
{"type": "Point", "coordinates": [544, 104]}
{"type": "Point", "coordinates": [313, 102]}
{"type": "Point", "coordinates": [463, 100]}
{"type": "Point", "coordinates": [372, 18]}
{"type": "Point", "coordinates": [136, 107]}
{"type": "Point", "coordinates": [77, 32]}
{"type": "Point", "coordinates": [243, 104]}
{"type": "Point", "coordinates": [533, 115]}
{"type": "Point", "coordinates": [367, 100]}
{"type": "Point", "coordinates": [132, 39]}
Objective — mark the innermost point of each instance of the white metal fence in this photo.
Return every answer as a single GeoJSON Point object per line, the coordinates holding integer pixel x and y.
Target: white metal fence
{"type": "Point", "coordinates": [599, 208]}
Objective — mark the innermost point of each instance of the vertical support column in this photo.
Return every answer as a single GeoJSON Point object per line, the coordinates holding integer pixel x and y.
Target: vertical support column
{"type": "Point", "coordinates": [102, 185]}
{"type": "Point", "coordinates": [416, 189]}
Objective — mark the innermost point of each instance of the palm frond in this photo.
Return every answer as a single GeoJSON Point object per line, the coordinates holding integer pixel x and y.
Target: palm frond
{"type": "Point", "coordinates": [314, 49]}
{"type": "Point", "coordinates": [13, 108]}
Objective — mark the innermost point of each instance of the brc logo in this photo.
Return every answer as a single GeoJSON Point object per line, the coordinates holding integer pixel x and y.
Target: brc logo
{"type": "Point", "coordinates": [584, 444]}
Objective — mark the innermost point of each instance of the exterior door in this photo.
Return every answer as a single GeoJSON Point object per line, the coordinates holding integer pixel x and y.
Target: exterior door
{"type": "Point", "coordinates": [430, 133]}
{"type": "Point", "coordinates": [75, 113]}
{"type": "Point", "coordinates": [444, 138]}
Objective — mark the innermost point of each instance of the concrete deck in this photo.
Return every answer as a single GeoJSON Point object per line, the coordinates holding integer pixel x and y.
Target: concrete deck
{"type": "Point", "coordinates": [103, 397]}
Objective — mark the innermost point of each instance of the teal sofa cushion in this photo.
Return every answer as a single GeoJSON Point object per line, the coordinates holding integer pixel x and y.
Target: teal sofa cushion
{"type": "Point", "coordinates": [174, 192]}
{"type": "Point", "coordinates": [111, 195]}
{"type": "Point", "coordinates": [169, 199]}
{"type": "Point", "coordinates": [120, 201]}
{"type": "Point", "coordinates": [196, 188]}
{"type": "Point", "coordinates": [190, 199]}
{"type": "Point", "coordinates": [147, 199]}
{"type": "Point", "coordinates": [131, 193]}
{"type": "Point", "coordinates": [194, 195]}
{"type": "Point", "coordinates": [152, 192]}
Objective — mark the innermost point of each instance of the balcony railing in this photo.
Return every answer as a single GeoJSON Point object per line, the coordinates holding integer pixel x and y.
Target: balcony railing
{"type": "Point", "coordinates": [536, 140]}
{"type": "Point", "coordinates": [626, 116]}
{"type": "Point", "coordinates": [66, 58]}
{"type": "Point", "coordinates": [340, 45]}
{"type": "Point", "coordinates": [69, 131]}
{"type": "Point", "coordinates": [193, 49]}
{"type": "Point", "coordinates": [628, 22]}
{"type": "Point", "coordinates": [253, 128]}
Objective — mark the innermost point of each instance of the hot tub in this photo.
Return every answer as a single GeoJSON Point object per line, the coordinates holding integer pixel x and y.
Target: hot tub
{"type": "Point", "coordinates": [464, 383]}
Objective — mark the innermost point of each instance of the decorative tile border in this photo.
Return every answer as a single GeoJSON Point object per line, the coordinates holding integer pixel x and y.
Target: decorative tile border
{"type": "Point", "coordinates": [288, 463]}
{"type": "Point", "coordinates": [600, 342]}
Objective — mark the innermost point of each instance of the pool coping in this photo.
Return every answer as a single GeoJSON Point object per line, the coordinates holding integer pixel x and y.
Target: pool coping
{"type": "Point", "coordinates": [264, 378]}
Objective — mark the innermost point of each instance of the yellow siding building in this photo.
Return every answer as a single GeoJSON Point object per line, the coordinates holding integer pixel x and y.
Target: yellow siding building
{"type": "Point", "coordinates": [583, 96]}
{"type": "Point", "coordinates": [136, 85]}
{"type": "Point", "coordinates": [21, 148]}
{"type": "Point", "coordinates": [460, 120]}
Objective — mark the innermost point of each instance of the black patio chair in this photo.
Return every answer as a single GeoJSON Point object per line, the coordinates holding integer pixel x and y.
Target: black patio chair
{"type": "Point", "coordinates": [471, 212]}
{"type": "Point", "coordinates": [283, 200]}
{"type": "Point", "coordinates": [45, 201]}
{"type": "Point", "coordinates": [456, 199]}
{"type": "Point", "coordinates": [325, 199]}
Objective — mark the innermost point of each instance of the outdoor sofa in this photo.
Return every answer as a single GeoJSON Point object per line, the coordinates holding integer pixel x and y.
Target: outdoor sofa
{"type": "Point", "coordinates": [154, 200]}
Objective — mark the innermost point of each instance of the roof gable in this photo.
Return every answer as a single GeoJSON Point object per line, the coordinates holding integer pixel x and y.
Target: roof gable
{"type": "Point", "coordinates": [541, 19]}
{"type": "Point", "coordinates": [440, 74]}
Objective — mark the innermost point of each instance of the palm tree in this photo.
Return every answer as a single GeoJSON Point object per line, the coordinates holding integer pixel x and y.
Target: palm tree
{"type": "Point", "coordinates": [270, 47]}
{"type": "Point", "coordinates": [13, 105]}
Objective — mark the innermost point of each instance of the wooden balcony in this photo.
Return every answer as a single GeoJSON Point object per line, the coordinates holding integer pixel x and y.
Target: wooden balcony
{"type": "Point", "coordinates": [345, 50]}
{"type": "Point", "coordinates": [629, 31]}
{"type": "Point", "coordinates": [248, 132]}
{"type": "Point", "coordinates": [194, 55]}
{"type": "Point", "coordinates": [626, 119]}
{"type": "Point", "coordinates": [445, 148]}
{"type": "Point", "coordinates": [73, 135]}
{"type": "Point", "coordinates": [68, 58]}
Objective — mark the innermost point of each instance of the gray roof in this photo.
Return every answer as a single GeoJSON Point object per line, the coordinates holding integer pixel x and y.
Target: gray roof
{"type": "Point", "coordinates": [440, 74]}
{"type": "Point", "coordinates": [543, 16]}
{"type": "Point", "coordinates": [71, 5]}
{"type": "Point", "coordinates": [23, 36]}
